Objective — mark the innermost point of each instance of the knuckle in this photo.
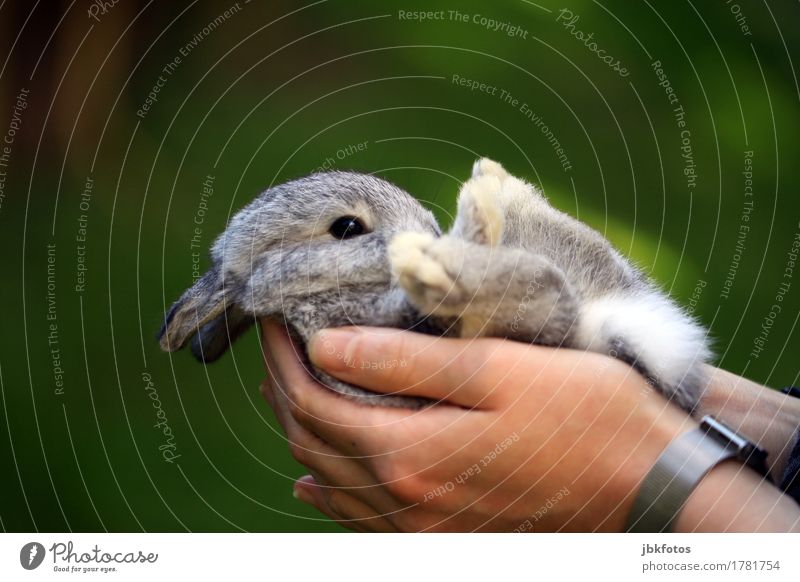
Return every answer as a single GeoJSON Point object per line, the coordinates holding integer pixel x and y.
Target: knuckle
{"type": "Point", "coordinates": [293, 390]}
{"type": "Point", "coordinates": [355, 351]}
{"type": "Point", "coordinates": [298, 408]}
{"type": "Point", "coordinates": [405, 488]}
{"type": "Point", "coordinates": [474, 365]}
{"type": "Point", "coordinates": [336, 502]}
{"type": "Point", "coordinates": [298, 436]}
{"type": "Point", "coordinates": [265, 387]}
{"type": "Point", "coordinates": [384, 469]}
{"type": "Point", "coordinates": [267, 392]}
{"type": "Point", "coordinates": [395, 349]}
{"type": "Point", "coordinates": [408, 521]}
{"type": "Point", "coordinates": [418, 520]}
{"type": "Point", "coordinates": [299, 452]}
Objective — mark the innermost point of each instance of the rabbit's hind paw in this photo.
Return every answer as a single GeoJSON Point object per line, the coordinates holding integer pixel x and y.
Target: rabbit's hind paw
{"type": "Point", "coordinates": [485, 166]}
{"type": "Point", "coordinates": [422, 265]}
{"type": "Point", "coordinates": [480, 211]}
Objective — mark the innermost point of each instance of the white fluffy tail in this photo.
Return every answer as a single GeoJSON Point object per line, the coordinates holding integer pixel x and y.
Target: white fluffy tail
{"type": "Point", "coordinates": [654, 335]}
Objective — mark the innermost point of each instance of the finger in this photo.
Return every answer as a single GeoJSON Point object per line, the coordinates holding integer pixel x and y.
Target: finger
{"type": "Point", "coordinates": [283, 360]}
{"type": "Point", "coordinates": [291, 383]}
{"type": "Point", "coordinates": [348, 426]}
{"type": "Point", "coordinates": [334, 437]}
{"type": "Point", "coordinates": [278, 401]}
{"type": "Point", "coordinates": [335, 468]}
{"type": "Point", "coordinates": [340, 471]}
{"type": "Point", "coordinates": [275, 391]}
{"type": "Point", "coordinates": [281, 355]}
{"type": "Point", "coordinates": [394, 361]}
{"type": "Point", "coordinates": [341, 507]}
{"type": "Point", "coordinates": [332, 467]}
{"type": "Point", "coordinates": [317, 502]}
{"type": "Point", "coordinates": [301, 441]}
{"type": "Point", "coordinates": [270, 386]}
{"type": "Point", "coordinates": [353, 429]}
{"type": "Point", "coordinates": [366, 433]}
{"type": "Point", "coordinates": [266, 389]}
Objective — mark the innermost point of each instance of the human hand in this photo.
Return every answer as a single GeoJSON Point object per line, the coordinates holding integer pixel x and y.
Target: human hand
{"type": "Point", "coordinates": [525, 437]}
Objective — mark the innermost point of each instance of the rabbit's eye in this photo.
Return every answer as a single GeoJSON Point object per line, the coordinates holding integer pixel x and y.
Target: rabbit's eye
{"type": "Point", "coordinates": [346, 227]}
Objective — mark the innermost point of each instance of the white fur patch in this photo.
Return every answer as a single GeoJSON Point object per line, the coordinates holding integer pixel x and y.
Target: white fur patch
{"type": "Point", "coordinates": [664, 339]}
{"type": "Point", "coordinates": [485, 166]}
{"type": "Point", "coordinates": [479, 202]}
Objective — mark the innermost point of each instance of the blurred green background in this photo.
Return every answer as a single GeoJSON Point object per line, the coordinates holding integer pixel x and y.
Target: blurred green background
{"type": "Point", "coordinates": [275, 90]}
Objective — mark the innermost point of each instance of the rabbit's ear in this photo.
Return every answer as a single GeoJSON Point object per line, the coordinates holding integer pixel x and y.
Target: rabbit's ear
{"type": "Point", "coordinates": [201, 303]}
{"type": "Point", "coordinates": [215, 337]}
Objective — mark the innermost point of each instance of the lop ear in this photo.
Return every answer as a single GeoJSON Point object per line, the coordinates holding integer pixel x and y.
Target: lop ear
{"type": "Point", "coordinates": [215, 337]}
{"type": "Point", "coordinates": [200, 304]}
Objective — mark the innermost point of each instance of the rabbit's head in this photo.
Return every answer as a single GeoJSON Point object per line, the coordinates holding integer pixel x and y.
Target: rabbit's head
{"type": "Point", "coordinates": [308, 246]}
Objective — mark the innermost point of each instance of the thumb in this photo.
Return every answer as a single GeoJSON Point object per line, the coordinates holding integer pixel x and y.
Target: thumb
{"type": "Point", "coordinates": [412, 364]}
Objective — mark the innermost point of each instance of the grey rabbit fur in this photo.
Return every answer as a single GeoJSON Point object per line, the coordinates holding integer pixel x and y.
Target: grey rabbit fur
{"type": "Point", "coordinates": [342, 248]}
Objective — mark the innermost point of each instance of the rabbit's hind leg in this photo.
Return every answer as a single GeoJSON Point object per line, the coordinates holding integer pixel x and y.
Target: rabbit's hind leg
{"type": "Point", "coordinates": [495, 291]}
{"type": "Point", "coordinates": [428, 271]}
{"type": "Point", "coordinates": [480, 211]}
{"type": "Point", "coordinates": [485, 166]}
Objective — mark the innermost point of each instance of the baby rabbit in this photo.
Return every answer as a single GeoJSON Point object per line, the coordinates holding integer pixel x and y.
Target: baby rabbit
{"type": "Point", "coordinates": [342, 248]}
{"type": "Point", "coordinates": [513, 266]}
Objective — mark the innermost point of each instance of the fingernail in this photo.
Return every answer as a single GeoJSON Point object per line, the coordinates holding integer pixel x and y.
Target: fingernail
{"type": "Point", "coordinates": [303, 496]}
{"type": "Point", "coordinates": [328, 348]}
{"type": "Point", "coordinates": [301, 492]}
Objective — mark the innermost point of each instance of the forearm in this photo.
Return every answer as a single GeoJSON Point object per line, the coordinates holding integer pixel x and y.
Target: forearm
{"type": "Point", "coordinates": [732, 498]}
{"type": "Point", "coordinates": [764, 415]}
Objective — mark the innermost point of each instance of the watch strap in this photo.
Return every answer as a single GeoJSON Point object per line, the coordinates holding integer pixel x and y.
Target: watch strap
{"type": "Point", "coordinates": [792, 391]}
{"type": "Point", "coordinates": [667, 486]}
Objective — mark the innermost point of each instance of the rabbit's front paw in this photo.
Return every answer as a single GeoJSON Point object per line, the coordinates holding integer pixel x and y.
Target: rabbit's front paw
{"type": "Point", "coordinates": [426, 268]}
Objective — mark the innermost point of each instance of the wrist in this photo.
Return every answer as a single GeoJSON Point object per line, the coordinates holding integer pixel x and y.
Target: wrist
{"type": "Point", "coordinates": [683, 466]}
{"type": "Point", "coordinates": [658, 424]}
{"type": "Point", "coordinates": [733, 498]}
{"type": "Point", "coordinates": [766, 416]}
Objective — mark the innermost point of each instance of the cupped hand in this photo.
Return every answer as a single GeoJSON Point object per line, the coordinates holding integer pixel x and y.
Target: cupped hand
{"type": "Point", "coordinates": [521, 438]}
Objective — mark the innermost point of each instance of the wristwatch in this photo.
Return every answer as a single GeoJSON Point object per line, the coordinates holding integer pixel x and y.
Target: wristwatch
{"type": "Point", "coordinates": [680, 468]}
